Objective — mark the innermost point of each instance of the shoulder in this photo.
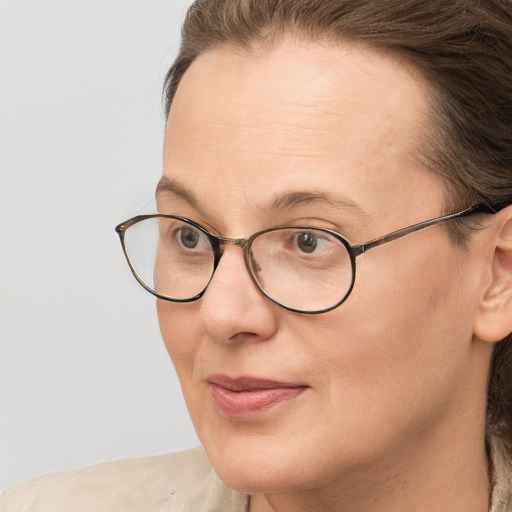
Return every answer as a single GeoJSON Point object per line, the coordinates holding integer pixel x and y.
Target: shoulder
{"type": "Point", "coordinates": [167, 483]}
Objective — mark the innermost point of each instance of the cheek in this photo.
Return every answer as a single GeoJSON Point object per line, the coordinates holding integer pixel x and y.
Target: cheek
{"type": "Point", "coordinates": [179, 328]}
{"type": "Point", "coordinates": [411, 283]}
{"type": "Point", "coordinates": [400, 331]}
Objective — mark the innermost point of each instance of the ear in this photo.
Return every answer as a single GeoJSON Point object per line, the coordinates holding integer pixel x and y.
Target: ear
{"type": "Point", "coordinates": [494, 317]}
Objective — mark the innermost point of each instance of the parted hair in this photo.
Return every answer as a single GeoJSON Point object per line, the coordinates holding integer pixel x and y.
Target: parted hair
{"type": "Point", "coordinates": [463, 49]}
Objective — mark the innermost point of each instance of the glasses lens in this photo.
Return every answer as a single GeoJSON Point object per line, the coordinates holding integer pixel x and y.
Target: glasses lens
{"type": "Point", "coordinates": [307, 270]}
{"type": "Point", "coordinates": [171, 257]}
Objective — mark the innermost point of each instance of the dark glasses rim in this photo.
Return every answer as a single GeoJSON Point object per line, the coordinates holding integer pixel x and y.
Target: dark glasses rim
{"type": "Point", "coordinates": [353, 251]}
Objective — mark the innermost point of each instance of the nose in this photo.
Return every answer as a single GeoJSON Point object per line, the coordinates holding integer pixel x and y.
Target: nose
{"type": "Point", "coordinates": [233, 308]}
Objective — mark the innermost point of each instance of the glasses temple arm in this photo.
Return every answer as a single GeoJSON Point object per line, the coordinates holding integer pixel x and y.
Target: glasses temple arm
{"type": "Point", "coordinates": [478, 208]}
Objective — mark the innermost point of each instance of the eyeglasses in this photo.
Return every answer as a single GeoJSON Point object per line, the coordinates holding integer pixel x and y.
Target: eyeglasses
{"type": "Point", "coordinates": [303, 269]}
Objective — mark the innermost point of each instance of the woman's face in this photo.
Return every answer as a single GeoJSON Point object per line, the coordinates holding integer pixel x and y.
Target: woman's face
{"type": "Point", "coordinates": [321, 136]}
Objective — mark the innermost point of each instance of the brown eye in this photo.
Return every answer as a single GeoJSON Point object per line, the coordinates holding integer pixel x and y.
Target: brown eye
{"type": "Point", "coordinates": [307, 242]}
{"type": "Point", "coordinates": [189, 238]}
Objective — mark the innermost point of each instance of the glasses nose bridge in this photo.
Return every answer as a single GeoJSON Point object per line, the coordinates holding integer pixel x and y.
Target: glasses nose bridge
{"type": "Point", "coordinates": [222, 241]}
{"type": "Point", "coordinates": [239, 242]}
{"type": "Point", "coordinates": [243, 243]}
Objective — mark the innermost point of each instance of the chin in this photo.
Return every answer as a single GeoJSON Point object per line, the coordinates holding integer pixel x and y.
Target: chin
{"type": "Point", "coordinates": [258, 464]}
{"type": "Point", "coordinates": [263, 475]}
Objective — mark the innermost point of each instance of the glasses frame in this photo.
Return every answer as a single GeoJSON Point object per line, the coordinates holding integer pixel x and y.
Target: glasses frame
{"type": "Point", "coordinates": [217, 242]}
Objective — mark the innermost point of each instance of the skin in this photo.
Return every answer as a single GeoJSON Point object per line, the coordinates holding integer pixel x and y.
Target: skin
{"type": "Point", "coordinates": [392, 417]}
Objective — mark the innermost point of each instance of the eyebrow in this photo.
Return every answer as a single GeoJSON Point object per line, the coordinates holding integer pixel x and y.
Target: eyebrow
{"type": "Point", "coordinates": [283, 201]}
{"type": "Point", "coordinates": [296, 198]}
{"type": "Point", "coordinates": [175, 188]}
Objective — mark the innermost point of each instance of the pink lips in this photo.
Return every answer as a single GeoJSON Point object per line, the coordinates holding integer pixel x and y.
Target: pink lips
{"type": "Point", "coordinates": [247, 397]}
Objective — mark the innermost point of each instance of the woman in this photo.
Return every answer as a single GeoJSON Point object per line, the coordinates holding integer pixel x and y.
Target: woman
{"type": "Point", "coordinates": [307, 139]}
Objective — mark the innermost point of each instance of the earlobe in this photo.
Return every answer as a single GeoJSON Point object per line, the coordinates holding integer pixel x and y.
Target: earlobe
{"type": "Point", "coordinates": [494, 317]}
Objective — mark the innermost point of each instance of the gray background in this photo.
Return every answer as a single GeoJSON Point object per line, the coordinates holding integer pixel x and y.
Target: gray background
{"type": "Point", "coordinates": [84, 374]}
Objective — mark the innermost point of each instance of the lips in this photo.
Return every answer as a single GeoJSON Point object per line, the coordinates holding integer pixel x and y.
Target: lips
{"type": "Point", "coordinates": [247, 397]}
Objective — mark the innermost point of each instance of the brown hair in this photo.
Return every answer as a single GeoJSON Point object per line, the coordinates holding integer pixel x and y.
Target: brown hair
{"type": "Point", "coordinates": [464, 50]}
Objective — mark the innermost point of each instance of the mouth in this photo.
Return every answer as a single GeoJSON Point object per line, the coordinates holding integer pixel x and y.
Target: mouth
{"type": "Point", "coordinates": [248, 397]}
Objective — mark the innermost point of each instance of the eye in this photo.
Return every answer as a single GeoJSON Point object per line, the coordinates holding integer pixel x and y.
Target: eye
{"type": "Point", "coordinates": [188, 237]}
{"type": "Point", "coordinates": [307, 242]}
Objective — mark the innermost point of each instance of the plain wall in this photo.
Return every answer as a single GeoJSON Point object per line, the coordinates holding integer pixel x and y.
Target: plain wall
{"type": "Point", "coordinates": [85, 377]}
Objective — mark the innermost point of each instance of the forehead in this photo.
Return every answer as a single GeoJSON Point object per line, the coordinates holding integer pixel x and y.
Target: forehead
{"type": "Point", "coordinates": [343, 116]}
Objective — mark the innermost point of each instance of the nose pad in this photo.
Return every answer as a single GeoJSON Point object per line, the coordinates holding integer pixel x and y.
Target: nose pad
{"type": "Point", "coordinates": [251, 262]}
{"type": "Point", "coordinates": [232, 306]}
